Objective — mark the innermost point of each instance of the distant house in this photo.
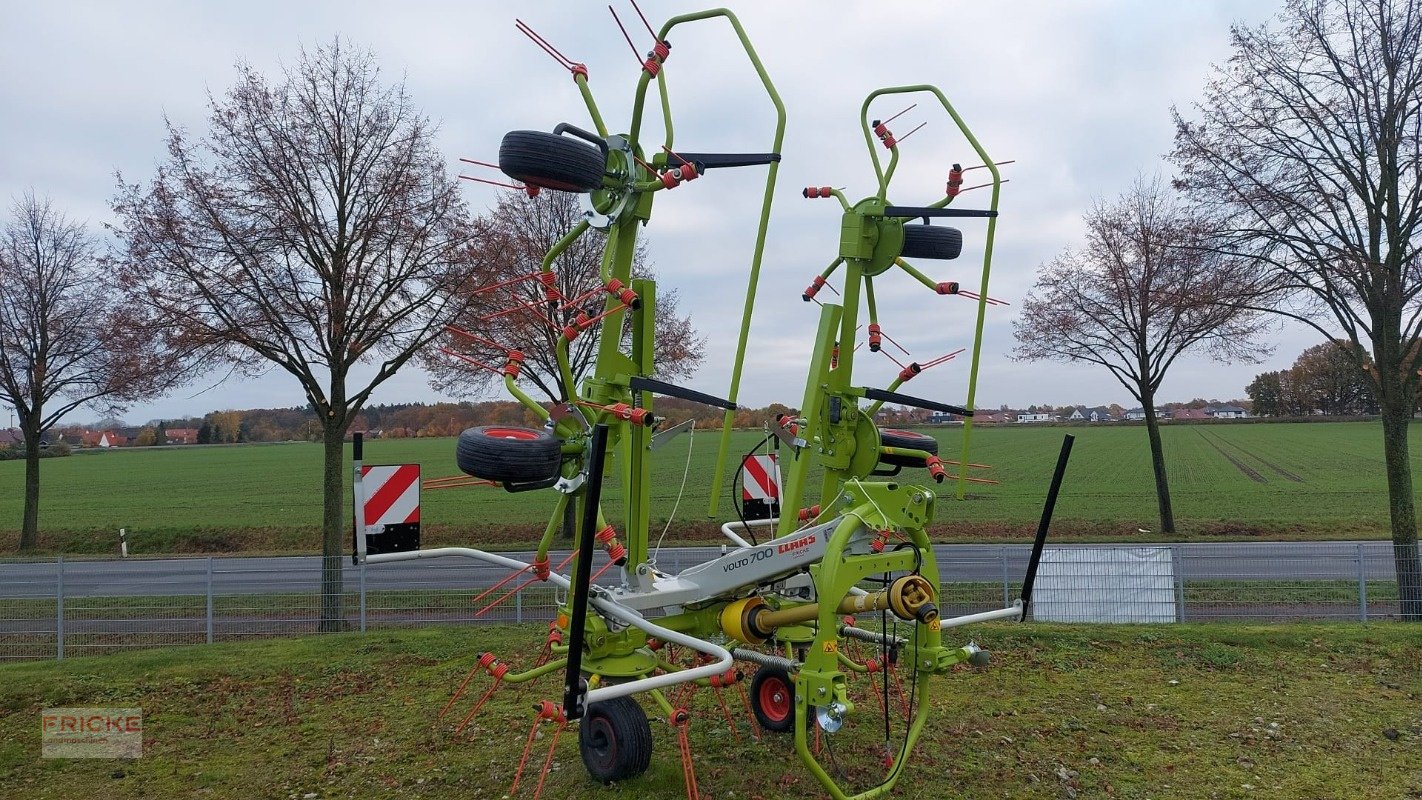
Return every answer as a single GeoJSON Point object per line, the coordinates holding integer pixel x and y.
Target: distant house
{"type": "Point", "coordinates": [943, 418]}
{"type": "Point", "coordinates": [1136, 414]}
{"type": "Point", "coordinates": [181, 435]}
{"type": "Point", "coordinates": [1186, 414]}
{"type": "Point", "coordinates": [102, 439]}
{"type": "Point", "coordinates": [11, 437]}
{"type": "Point", "coordinates": [1096, 414]}
{"type": "Point", "coordinates": [1225, 412]}
{"type": "Point", "coordinates": [1036, 417]}
{"type": "Point", "coordinates": [991, 416]}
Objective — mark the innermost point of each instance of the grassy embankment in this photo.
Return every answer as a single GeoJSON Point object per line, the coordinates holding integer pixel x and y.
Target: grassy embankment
{"type": "Point", "coordinates": [1182, 711]}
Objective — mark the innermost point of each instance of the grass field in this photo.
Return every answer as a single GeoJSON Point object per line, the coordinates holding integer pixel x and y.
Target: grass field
{"type": "Point", "coordinates": [1181, 711]}
{"type": "Point", "coordinates": [1237, 481]}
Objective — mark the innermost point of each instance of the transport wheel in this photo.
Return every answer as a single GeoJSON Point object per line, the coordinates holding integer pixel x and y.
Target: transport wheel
{"type": "Point", "coordinates": [893, 437]}
{"type": "Point", "coordinates": [615, 739]}
{"type": "Point", "coordinates": [504, 453]}
{"type": "Point", "coordinates": [927, 241]}
{"type": "Point", "coordinates": [551, 161]}
{"type": "Point", "coordinates": [772, 696]}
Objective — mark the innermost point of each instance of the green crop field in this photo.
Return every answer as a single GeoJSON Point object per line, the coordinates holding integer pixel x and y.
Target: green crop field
{"type": "Point", "coordinates": [1240, 481]}
{"type": "Point", "coordinates": [1125, 711]}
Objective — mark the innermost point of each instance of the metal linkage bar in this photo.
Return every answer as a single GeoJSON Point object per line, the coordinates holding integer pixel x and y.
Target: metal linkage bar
{"type": "Point", "coordinates": [1046, 521]}
{"type": "Point", "coordinates": [916, 402]}
{"type": "Point", "coordinates": [574, 687]}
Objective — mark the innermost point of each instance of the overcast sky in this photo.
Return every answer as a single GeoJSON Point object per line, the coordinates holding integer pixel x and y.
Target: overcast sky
{"type": "Point", "coordinates": [1078, 93]}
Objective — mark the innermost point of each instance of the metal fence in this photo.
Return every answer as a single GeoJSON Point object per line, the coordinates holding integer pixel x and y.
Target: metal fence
{"type": "Point", "coordinates": [57, 608]}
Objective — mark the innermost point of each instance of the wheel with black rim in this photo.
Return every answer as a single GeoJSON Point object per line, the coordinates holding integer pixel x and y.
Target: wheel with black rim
{"type": "Point", "coordinates": [930, 241]}
{"type": "Point", "coordinates": [615, 739]}
{"type": "Point", "coordinates": [772, 696]}
{"type": "Point", "coordinates": [551, 161]}
{"type": "Point", "coordinates": [905, 440]}
{"type": "Point", "coordinates": [508, 454]}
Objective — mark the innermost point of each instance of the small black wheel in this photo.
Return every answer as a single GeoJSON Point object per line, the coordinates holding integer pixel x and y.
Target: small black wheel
{"type": "Point", "coordinates": [501, 453]}
{"type": "Point", "coordinates": [927, 241]}
{"type": "Point", "coordinates": [772, 697]}
{"type": "Point", "coordinates": [551, 161]}
{"type": "Point", "coordinates": [893, 437]}
{"type": "Point", "coordinates": [615, 739]}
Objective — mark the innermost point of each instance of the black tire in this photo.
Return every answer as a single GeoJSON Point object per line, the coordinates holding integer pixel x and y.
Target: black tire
{"type": "Point", "coordinates": [507, 454]}
{"type": "Point", "coordinates": [615, 739]}
{"type": "Point", "coordinates": [551, 161]}
{"type": "Point", "coordinates": [772, 698]}
{"type": "Point", "coordinates": [928, 241]}
{"type": "Point", "coordinates": [892, 437]}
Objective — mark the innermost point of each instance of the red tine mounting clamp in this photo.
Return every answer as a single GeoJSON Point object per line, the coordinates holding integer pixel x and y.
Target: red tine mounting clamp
{"type": "Point", "coordinates": [623, 293]}
{"type": "Point", "coordinates": [676, 176]}
{"type": "Point", "coordinates": [816, 191]}
{"type": "Point", "coordinates": [935, 468]}
{"type": "Point", "coordinates": [886, 136]}
{"type": "Point", "coordinates": [814, 288]}
{"type": "Point", "coordinates": [955, 180]}
{"type": "Point", "coordinates": [607, 537]}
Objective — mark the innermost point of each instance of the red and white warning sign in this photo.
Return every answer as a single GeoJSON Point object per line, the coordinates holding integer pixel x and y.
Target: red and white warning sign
{"type": "Point", "coordinates": [389, 495]}
{"type": "Point", "coordinates": [762, 479]}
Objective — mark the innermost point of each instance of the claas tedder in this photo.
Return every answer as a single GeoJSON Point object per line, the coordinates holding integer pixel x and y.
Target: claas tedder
{"type": "Point", "coordinates": [825, 617]}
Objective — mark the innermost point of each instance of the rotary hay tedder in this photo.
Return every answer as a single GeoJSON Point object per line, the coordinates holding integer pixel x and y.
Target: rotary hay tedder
{"type": "Point", "coordinates": [784, 606]}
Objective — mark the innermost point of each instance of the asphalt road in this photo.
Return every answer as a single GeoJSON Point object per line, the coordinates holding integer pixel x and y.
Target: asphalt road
{"type": "Point", "coordinates": [1284, 562]}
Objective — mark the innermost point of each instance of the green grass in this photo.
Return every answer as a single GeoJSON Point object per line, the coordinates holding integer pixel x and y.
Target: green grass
{"type": "Point", "coordinates": [1182, 711]}
{"type": "Point", "coordinates": [1318, 481]}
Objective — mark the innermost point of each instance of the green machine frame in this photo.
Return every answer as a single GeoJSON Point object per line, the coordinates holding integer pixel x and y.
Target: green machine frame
{"type": "Point", "coordinates": [837, 549]}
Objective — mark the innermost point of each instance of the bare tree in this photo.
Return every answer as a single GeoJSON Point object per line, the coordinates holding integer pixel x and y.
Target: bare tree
{"type": "Point", "coordinates": [516, 236]}
{"type": "Point", "coordinates": [68, 335]}
{"type": "Point", "coordinates": [1140, 292]}
{"type": "Point", "coordinates": [1309, 144]}
{"type": "Point", "coordinates": [314, 228]}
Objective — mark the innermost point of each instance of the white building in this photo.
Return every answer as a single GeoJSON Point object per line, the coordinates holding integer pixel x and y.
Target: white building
{"type": "Point", "coordinates": [1035, 418]}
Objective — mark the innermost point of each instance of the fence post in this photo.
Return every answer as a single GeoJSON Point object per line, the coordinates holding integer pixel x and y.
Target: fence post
{"type": "Point", "coordinates": [59, 608]}
{"type": "Point", "coordinates": [1179, 574]}
{"type": "Point", "coordinates": [362, 597]}
{"type": "Point", "coordinates": [1006, 592]}
{"type": "Point", "coordinates": [518, 606]}
{"type": "Point", "coordinates": [209, 601]}
{"type": "Point", "coordinates": [1362, 586]}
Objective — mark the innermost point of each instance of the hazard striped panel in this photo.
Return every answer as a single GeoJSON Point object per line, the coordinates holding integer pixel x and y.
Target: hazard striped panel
{"type": "Point", "coordinates": [388, 507]}
{"type": "Point", "coordinates": [762, 478]}
{"type": "Point", "coordinates": [392, 494]}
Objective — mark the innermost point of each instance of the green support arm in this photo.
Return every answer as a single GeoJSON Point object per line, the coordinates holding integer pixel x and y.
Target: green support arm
{"type": "Point", "coordinates": [987, 245]}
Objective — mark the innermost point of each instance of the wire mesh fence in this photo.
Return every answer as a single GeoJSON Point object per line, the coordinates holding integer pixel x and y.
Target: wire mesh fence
{"type": "Point", "coordinates": [64, 607]}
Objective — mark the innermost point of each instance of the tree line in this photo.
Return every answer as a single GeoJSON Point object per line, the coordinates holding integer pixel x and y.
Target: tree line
{"type": "Point", "coordinates": [408, 421]}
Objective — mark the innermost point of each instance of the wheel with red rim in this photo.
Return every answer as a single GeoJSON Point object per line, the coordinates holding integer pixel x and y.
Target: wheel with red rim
{"type": "Point", "coordinates": [906, 440]}
{"type": "Point", "coordinates": [772, 697]}
{"type": "Point", "coordinates": [615, 740]}
{"type": "Point", "coordinates": [508, 454]}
